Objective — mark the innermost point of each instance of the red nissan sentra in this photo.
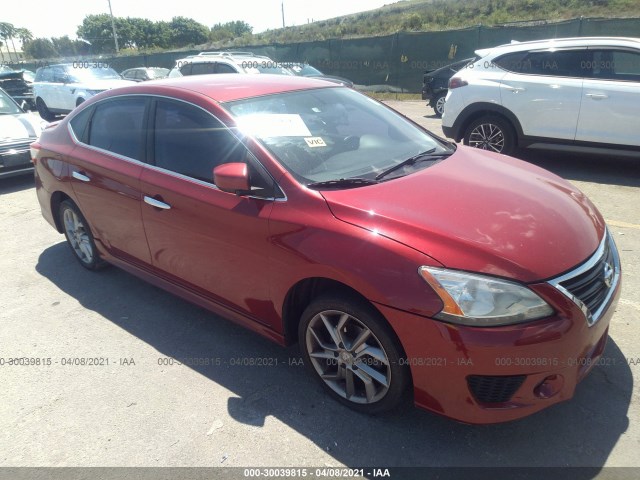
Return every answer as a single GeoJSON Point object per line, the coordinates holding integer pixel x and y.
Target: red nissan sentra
{"type": "Point", "coordinates": [308, 212]}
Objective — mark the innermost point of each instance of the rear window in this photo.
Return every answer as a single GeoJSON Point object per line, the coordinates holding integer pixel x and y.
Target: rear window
{"type": "Point", "coordinates": [116, 126]}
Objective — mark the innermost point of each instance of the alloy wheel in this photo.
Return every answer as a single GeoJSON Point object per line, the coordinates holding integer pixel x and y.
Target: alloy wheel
{"type": "Point", "coordinates": [487, 136]}
{"type": "Point", "coordinates": [78, 236]}
{"type": "Point", "coordinates": [348, 357]}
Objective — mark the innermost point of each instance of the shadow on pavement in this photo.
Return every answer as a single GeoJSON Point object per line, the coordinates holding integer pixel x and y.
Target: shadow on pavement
{"type": "Point", "coordinates": [581, 432]}
{"type": "Point", "coordinates": [611, 170]}
{"type": "Point", "coordinates": [16, 184]}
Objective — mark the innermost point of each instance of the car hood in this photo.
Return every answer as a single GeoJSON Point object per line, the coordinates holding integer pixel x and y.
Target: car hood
{"type": "Point", "coordinates": [22, 126]}
{"type": "Point", "coordinates": [481, 212]}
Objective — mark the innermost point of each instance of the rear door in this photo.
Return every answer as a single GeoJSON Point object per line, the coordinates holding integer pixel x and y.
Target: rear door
{"type": "Point", "coordinates": [105, 170]}
{"type": "Point", "coordinates": [544, 90]}
{"type": "Point", "coordinates": [611, 92]}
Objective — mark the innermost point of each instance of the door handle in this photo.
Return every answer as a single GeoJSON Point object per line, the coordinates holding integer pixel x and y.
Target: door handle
{"type": "Point", "coordinates": [597, 96]}
{"type": "Point", "coordinates": [156, 203]}
{"type": "Point", "coordinates": [514, 89]}
{"type": "Point", "coordinates": [80, 176]}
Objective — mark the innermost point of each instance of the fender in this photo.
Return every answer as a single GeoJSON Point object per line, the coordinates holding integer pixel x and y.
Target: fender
{"type": "Point", "coordinates": [476, 110]}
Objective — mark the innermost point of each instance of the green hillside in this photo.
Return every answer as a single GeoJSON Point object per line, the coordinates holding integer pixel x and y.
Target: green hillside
{"type": "Point", "coordinates": [429, 15]}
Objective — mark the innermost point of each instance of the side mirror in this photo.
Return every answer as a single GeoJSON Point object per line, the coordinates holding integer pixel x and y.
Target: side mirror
{"type": "Point", "coordinates": [232, 177]}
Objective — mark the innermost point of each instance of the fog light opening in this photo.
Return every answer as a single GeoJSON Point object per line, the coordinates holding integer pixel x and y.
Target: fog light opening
{"type": "Point", "coordinates": [549, 387]}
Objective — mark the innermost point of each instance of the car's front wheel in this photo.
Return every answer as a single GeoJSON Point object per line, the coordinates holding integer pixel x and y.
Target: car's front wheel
{"type": "Point", "coordinates": [44, 111]}
{"type": "Point", "coordinates": [352, 352]}
{"type": "Point", "coordinates": [491, 133]}
{"type": "Point", "coordinates": [79, 237]}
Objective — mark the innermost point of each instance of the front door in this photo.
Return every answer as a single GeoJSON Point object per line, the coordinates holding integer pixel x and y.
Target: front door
{"type": "Point", "coordinates": [207, 240]}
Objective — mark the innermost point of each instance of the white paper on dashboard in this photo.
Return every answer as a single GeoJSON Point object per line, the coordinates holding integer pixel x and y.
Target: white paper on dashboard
{"type": "Point", "coordinates": [267, 125]}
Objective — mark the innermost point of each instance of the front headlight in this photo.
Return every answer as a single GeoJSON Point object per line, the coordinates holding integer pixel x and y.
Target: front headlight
{"type": "Point", "coordinates": [481, 301]}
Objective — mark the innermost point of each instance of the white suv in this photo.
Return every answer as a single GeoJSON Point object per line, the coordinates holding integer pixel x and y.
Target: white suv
{"type": "Point", "coordinates": [572, 93]}
{"type": "Point", "coordinates": [227, 62]}
{"type": "Point", "coordinates": [61, 88]}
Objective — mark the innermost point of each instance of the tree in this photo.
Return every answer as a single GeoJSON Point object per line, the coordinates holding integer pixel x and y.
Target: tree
{"type": "Point", "coordinates": [65, 47]}
{"type": "Point", "coordinates": [230, 30]}
{"type": "Point", "coordinates": [40, 48]}
{"type": "Point", "coordinates": [186, 31]}
{"type": "Point", "coordinates": [24, 35]}
{"type": "Point", "coordinates": [7, 30]}
{"type": "Point", "coordinates": [96, 29]}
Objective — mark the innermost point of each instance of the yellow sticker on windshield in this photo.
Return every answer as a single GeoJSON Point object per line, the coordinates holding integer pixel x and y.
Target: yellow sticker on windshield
{"type": "Point", "coordinates": [314, 142]}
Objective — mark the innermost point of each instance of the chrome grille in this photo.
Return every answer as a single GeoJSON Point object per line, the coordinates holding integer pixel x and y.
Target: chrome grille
{"type": "Point", "coordinates": [592, 284]}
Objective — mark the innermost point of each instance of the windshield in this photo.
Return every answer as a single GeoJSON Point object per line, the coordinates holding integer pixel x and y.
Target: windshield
{"type": "Point", "coordinates": [7, 105]}
{"type": "Point", "coordinates": [333, 133]}
{"type": "Point", "coordinates": [305, 70]}
{"type": "Point", "coordinates": [89, 74]}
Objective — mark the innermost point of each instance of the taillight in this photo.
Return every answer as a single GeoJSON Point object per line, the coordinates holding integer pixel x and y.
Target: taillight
{"type": "Point", "coordinates": [456, 82]}
{"type": "Point", "coordinates": [34, 148]}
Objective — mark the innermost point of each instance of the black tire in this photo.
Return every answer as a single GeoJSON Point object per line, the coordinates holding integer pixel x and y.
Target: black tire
{"type": "Point", "coordinates": [438, 104]}
{"type": "Point", "coordinates": [377, 383]}
{"type": "Point", "coordinates": [491, 133]}
{"type": "Point", "coordinates": [79, 236]}
{"type": "Point", "coordinates": [44, 111]}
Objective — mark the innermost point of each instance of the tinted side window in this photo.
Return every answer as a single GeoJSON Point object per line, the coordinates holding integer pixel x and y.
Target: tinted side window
{"type": "Point", "coordinates": [203, 68]}
{"type": "Point", "coordinates": [511, 62]}
{"type": "Point", "coordinates": [116, 126]}
{"type": "Point", "coordinates": [620, 65]}
{"type": "Point", "coordinates": [559, 63]}
{"type": "Point", "coordinates": [79, 124]}
{"type": "Point", "coordinates": [59, 75]}
{"type": "Point", "coordinates": [224, 68]}
{"type": "Point", "coordinates": [191, 142]}
{"type": "Point", "coordinates": [44, 74]}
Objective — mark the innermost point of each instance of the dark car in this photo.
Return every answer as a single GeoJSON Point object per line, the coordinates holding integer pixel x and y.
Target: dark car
{"type": "Point", "coordinates": [435, 84]}
{"type": "Point", "coordinates": [17, 131]}
{"type": "Point", "coordinates": [19, 85]}
{"type": "Point", "coordinates": [142, 74]}
{"type": "Point", "coordinates": [311, 213]}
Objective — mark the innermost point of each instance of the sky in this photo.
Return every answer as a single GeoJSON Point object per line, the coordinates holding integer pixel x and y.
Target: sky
{"type": "Point", "coordinates": [54, 19]}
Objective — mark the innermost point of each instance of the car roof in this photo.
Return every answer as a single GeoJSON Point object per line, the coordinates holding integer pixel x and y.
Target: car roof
{"type": "Point", "coordinates": [562, 42]}
{"type": "Point", "coordinates": [227, 87]}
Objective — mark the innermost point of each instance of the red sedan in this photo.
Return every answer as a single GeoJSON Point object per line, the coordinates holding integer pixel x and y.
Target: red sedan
{"type": "Point", "coordinates": [310, 213]}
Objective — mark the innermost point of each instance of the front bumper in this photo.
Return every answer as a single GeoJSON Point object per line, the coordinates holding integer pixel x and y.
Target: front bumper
{"type": "Point", "coordinates": [490, 375]}
{"type": "Point", "coordinates": [15, 159]}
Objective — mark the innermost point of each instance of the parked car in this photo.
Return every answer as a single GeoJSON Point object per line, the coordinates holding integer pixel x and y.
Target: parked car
{"type": "Point", "coordinates": [19, 85]}
{"type": "Point", "coordinates": [60, 88]}
{"type": "Point", "coordinates": [226, 62]}
{"type": "Point", "coordinates": [142, 74]}
{"type": "Point", "coordinates": [435, 84]}
{"type": "Point", "coordinates": [306, 70]}
{"type": "Point", "coordinates": [571, 93]}
{"type": "Point", "coordinates": [17, 131]}
{"type": "Point", "coordinates": [310, 213]}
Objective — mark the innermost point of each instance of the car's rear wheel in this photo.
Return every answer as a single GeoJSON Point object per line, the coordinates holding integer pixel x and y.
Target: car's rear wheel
{"type": "Point", "coordinates": [438, 104]}
{"type": "Point", "coordinates": [351, 351]}
{"type": "Point", "coordinates": [43, 110]}
{"type": "Point", "coordinates": [491, 133]}
{"type": "Point", "coordinates": [79, 237]}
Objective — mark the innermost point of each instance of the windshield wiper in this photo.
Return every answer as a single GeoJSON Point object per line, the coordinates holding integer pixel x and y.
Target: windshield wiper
{"type": "Point", "coordinates": [343, 182]}
{"type": "Point", "coordinates": [412, 160]}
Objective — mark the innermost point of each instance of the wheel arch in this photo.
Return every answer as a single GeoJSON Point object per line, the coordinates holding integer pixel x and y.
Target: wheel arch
{"type": "Point", "coordinates": [477, 110]}
{"type": "Point", "coordinates": [302, 293]}
{"type": "Point", "coordinates": [56, 199]}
